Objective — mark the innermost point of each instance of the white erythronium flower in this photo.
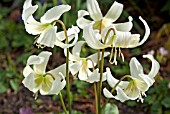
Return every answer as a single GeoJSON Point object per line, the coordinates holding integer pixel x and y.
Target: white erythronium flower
{"type": "Point", "coordinates": [116, 39]}
{"type": "Point", "coordinates": [111, 16]}
{"type": "Point", "coordinates": [37, 79]}
{"type": "Point", "coordinates": [137, 86]}
{"type": "Point", "coordinates": [82, 65]}
{"type": "Point", "coordinates": [45, 29]}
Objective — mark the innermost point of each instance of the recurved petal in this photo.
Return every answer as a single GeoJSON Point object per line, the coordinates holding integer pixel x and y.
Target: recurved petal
{"type": "Point", "coordinates": [29, 81]}
{"type": "Point", "coordinates": [28, 12]}
{"type": "Point", "coordinates": [56, 72]}
{"type": "Point", "coordinates": [113, 81]}
{"type": "Point", "coordinates": [40, 68]}
{"type": "Point", "coordinates": [135, 68]}
{"type": "Point", "coordinates": [122, 96]}
{"type": "Point", "coordinates": [57, 86]}
{"type": "Point", "coordinates": [125, 27]}
{"type": "Point", "coordinates": [35, 28]}
{"type": "Point", "coordinates": [27, 71]}
{"type": "Point", "coordinates": [107, 93]}
{"type": "Point", "coordinates": [114, 12]}
{"type": "Point", "coordinates": [54, 13]}
{"type": "Point", "coordinates": [94, 77]}
{"type": "Point", "coordinates": [155, 66]}
{"type": "Point", "coordinates": [94, 10]}
{"type": "Point", "coordinates": [63, 45]}
{"type": "Point", "coordinates": [77, 48]}
{"type": "Point", "coordinates": [75, 67]}
{"type": "Point", "coordinates": [34, 59]}
{"type": "Point", "coordinates": [147, 31]}
{"type": "Point", "coordinates": [94, 58]}
{"type": "Point", "coordinates": [90, 38]}
{"type": "Point", "coordinates": [82, 13]}
{"type": "Point", "coordinates": [48, 37]}
{"type": "Point", "coordinates": [82, 22]}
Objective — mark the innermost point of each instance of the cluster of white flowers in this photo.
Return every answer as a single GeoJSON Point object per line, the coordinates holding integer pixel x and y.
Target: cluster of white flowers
{"type": "Point", "coordinates": [100, 33]}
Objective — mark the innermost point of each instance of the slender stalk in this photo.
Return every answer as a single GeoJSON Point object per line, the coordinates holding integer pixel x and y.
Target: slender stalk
{"type": "Point", "coordinates": [126, 76]}
{"type": "Point", "coordinates": [67, 67]}
{"type": "Point", "coordinates": [101, 69]}
{"type": "Point", "coordinates": [101, 76]}
{"type": "Point", "coordinates": [95, 89]}
{"type": "Point", "coordinates": [62, 102]}
{"type": "Point", "coordinates": [96, 98]}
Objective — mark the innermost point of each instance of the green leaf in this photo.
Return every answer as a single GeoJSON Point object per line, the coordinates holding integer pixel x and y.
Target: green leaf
{"type": "Point", "coordinates": [14, 85]}
{"type": "Point", "coordinates": [166, 102]}
{"type": "Point", "coordinates": [3, 87]}
{"type": "Point", "coordinates": [110, 109]}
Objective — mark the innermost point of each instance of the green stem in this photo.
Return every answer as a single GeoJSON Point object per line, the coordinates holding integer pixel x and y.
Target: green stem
{"type": "Point", "coordinates": [101, 69]}
{"type": "Point", "coordinates": [62, 102]}
{"type": "Point", "coordinates": [126, 76]}
{"type": "Point", "coordinates": [100, 82]}
{"type": "Point", "coordinates": [67, 67]}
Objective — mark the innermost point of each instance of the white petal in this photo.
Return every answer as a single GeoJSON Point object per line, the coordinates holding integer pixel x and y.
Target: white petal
{"type": "Point", "coordinates": [142, 85]}
{"type": "Point", "coordinates": [126, 27]}
{"type": "Point", "coordinates": [36, 27]}
{"type": "Point", "coordinates": [46, 85]}
{"type": "Point", "coordinates": [121, 95]}
{"type": "Point", "coordinates": [57, 86]}
{"type": "Point", "coordinates": [94, 58]}
{"type": "Point", "coordinates": [94, 10]}
{"type": "Point", "coordinates": [82, 13]}
{"type": "Point", "coordinates": [40, 68]}
{"type": "Point", "coordinates": [147, 79]}
{"type": "Point", "coordinates": [48, 37]}
{"type": "Point", "coordinates": [77, 48]}
{"type": "Point", "coordinates": [94, 77]}
{"type": "Point", "coordinates": [29, 81]}
{"type": "Point", "coordinates": [83, 72]}
{"type": "Point", "coordinates": [27, 70]}
{"type": "Point", "coordinates": [38, 80]}
{"type": "Point", "coordinates": [82, 22]}
{"type": "Point", "coordinates": [114, 12]}
{"type": "Point", "coordinates": [27, 4]}
{"type": "Point", "coordinates": [28, 12]}
{"type": "Point", "coordinates": [126, 40]}
{"type": "Point", "coordinates": [60, 69]}
{"type": "Point", "coordinates": [147, 31]}
{"type": "Point", "coordinates": [155, 66]}
{"type": "Point", "coordinates": [63, 45]}
{"type": "Point", "coordinates": [54, 13]}
{"type": "Point", "coordinates": [75, 67]}
{"type": "Point", "coordinates": [113, 81]}
{"type": "Point", "coordinates": [107, 93]}
{"type": "Point", "coordinates": [34, 59]}
{"type": "Point", "coordinates": [135, 68]}
{"type": "Point", "coordinates": [90, 38]}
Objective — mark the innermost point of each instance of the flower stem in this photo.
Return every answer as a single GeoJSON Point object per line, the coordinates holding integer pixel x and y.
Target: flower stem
{"type": "Point", "coordinates": [62, 102]}
{"type": "Point", "coordinates": [100, 82]}
{"type": "Point", "coordinates": [67, 67]}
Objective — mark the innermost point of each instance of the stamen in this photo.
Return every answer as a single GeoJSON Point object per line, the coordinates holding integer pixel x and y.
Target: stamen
{"type": "Point", "coordinates": [121, 54]}
{"type": "Point", "coordinates": [35, 95]}
{"type": "Point", "coordinates": [115, 56]}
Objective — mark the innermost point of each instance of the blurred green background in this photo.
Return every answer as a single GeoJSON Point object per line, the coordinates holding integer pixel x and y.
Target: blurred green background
{"type": "Point", "coordinates": [16, 46]}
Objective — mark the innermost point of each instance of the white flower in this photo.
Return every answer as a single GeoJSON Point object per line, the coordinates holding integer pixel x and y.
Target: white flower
{"type": "Point", "coordinates": [37, 79]}
{"type": "Point", "coordinates": [116, 39]}
{"type": "Point", "coordinates": [45, 29]}
{"type": "Point", "coordinates": [137, 86]}
{"type": "Point", "coordinates": [82, 65]}
{"type": "Point", "coordinates": [111, 16]}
